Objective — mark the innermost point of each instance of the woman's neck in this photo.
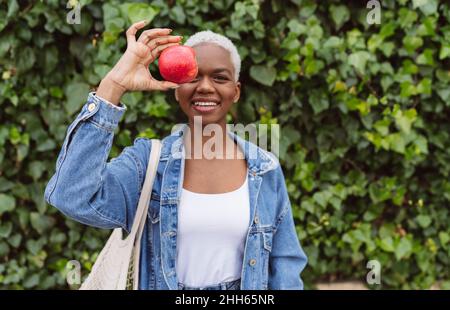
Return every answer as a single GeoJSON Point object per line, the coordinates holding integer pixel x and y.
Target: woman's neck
{"type": "Point", "coordinates": [209, 142]}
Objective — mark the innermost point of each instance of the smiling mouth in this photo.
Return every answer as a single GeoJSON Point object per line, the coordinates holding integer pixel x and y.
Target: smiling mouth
{"type": "Point", "coordinates": [204, 106]}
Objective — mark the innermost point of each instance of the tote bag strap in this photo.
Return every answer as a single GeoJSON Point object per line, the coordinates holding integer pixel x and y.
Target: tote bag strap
{"type": "Point", "coordinates": [141, 213]}
{"type": "Point", "coordinates": [144, 199]}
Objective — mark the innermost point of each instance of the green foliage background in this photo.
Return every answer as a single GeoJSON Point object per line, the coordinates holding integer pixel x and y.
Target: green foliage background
{"type": "Point", "coordinates": [364, 112]}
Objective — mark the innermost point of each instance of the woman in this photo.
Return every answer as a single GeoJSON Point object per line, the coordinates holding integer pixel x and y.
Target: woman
{"type": "Point", "coordinates": [212, 223]}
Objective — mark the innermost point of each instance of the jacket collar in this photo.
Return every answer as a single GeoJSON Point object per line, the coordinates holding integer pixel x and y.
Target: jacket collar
{"type": "Point", "coordinates": [259, 161]}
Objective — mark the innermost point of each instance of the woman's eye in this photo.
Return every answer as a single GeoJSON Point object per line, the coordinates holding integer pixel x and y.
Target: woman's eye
{"type": "Point", "coordinates": [221, 77]}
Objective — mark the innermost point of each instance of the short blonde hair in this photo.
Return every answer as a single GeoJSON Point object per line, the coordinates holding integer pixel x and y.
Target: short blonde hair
{"type": "Point", "coordinates": [208, 36]}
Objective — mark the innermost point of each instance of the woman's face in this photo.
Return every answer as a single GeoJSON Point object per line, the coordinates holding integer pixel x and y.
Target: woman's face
{"type": "Point", "coordinates": [214, 83]}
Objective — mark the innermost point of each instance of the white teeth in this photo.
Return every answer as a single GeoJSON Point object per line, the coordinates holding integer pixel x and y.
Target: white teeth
{"type": "Point", "coordinates": [205, 103]}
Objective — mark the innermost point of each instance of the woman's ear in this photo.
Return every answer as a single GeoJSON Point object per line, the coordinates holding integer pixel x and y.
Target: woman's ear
{"type": "Point", "coordinates": [176, 95]}
{"type": "Point", "coordinates": [238, 92]}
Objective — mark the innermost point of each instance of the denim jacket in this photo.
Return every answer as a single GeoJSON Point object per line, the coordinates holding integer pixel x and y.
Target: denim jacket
{"type": "Point", "coordinates": [90, 190]}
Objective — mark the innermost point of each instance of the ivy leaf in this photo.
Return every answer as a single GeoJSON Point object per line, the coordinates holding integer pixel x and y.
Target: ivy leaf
{"type": "Point", "coordinates": [26, 59]}
{"type": "Point", "coordinates": [318, 101]}
{"type": "Point", "coordinates": [288, 136]}
{"type": "Point", "coordinates": [5, 230]}
{"type": "Point", "coordinates": [422, 144]}
{"type": "Point", "coordinates": [76, 94]}
{"type": "Point", "coordinates": [46, 145]}
{"type": "Point", "coordinates": [31, 281]}
{"type": "Point", "coordinates": [382, 126]}
{"type": "Point", "coordinates": [378, 193]}
{"type": "Point", "coordinates": [397, 143]}
{"type": "Point", "coordinates": [4, 248]}
{"type": "Point", "coordinates": [427, 7]}
{"type": "Point", "coordinates": [340, 15]}
{"type": "Point", "coordinates": [296, 27]}
{"type": "Point", "coordinates": [359, 60]}
{"type": "Point", "coordinates": [139, 11]}
{"type": "Point", "coordinates": [419, 3]}
{"type": "Point", "coordinates": [404, 119]}
{"type": "Point", "coordinates": [7, 203]}
{"type": "Point", "coordinates": [387, 244]}
{"type": "Point", "coordinates": [444, 237]}
{"type": "Point", "coordinates": [40, 222]}
{"type": "Point", "coordinates": [15, 240]}
{"type": "Point", "coordinates": [263, 74]}
{"type": "Point", "coordinates": [403, 248]}
{"type": "Point", "coordinates": [411, 43]}
{"type": "Point", "coordinates": [426, 58]}
{"type": "Point", "coordinates": [36, 169]}
{"type": "Point", "coordinates": [444, 52]}
{"type": "Point", "coordinates": [423, 220]}
{"type": "Point", "coordinates": [13, 8]}
{"type": "Point", "coordinates": [177, 14]}
{"type": "Point", "coordinates": [444, 93]}
{"type": "Point", "coordinates": [34, 246]}
{"type": "Point", "coordinates": [407, 17]}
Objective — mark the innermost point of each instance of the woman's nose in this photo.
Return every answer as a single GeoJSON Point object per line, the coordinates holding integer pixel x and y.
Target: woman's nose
{"type": "Point", "coordinates": [205, 85]}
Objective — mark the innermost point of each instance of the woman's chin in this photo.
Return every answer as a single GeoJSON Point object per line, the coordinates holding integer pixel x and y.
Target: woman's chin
{"type": "Point", "coordinates": [206, 119]}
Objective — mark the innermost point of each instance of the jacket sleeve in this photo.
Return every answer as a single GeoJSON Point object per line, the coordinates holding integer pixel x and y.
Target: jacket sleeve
{"type": "Point", "coordinates": [287, 259]}
{"type": "Point", "coordinates": [86, 187]}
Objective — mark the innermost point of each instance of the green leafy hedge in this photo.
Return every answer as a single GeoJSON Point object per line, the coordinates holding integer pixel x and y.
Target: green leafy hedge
{"type": "Point", "coordinates": [364, 112]}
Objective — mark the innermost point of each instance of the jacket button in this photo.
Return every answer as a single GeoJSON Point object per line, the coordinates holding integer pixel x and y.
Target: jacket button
{"type": "Point", "coordinates": [91, 107]}
{"type": "Point", "coordinates": [256, 220]}
{"type": "Point", "coordinates": [252, 262]}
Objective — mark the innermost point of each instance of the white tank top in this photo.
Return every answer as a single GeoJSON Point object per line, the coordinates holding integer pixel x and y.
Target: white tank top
{"type": "Point", "coordinates": [212, 230]}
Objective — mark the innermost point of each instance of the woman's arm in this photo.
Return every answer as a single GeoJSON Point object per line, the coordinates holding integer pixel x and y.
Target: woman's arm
{"type": "Point", "coordinates": [87, 188]}
{"type": "Point", "coordinates": [287, 259]}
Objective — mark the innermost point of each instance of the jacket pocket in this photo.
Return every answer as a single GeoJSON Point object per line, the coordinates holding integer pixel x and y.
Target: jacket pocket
{"type": "Point", "coordinates": [267, 240]}
{"type": "Point", "coordinates": [266, 249]}
{"type": "Point", "coordinates": [153, 211]}
{"type": "Point", "coordinates": [265, 233]}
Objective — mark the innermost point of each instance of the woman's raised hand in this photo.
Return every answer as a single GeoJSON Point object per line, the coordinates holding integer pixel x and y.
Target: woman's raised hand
{"type": "Point", "coordinates": [131, 72]}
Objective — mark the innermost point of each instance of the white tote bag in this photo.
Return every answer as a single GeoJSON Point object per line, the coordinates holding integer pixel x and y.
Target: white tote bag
{"type": "Point", "coordinates": [117, 266]}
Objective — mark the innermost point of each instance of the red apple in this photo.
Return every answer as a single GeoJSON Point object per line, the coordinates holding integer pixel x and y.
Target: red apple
{"type": "Point", "coordinates": [177, 64]}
